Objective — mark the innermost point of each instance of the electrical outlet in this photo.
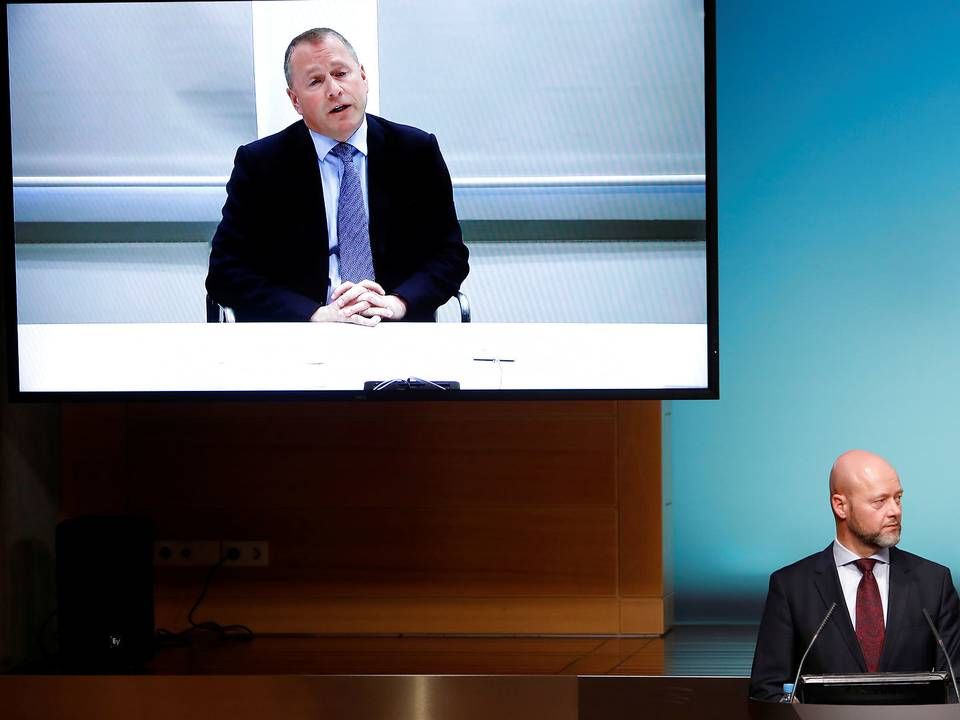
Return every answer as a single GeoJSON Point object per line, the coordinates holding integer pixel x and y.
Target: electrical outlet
{"type": "Point", "coordinates": [250, 553]}
{"type": "Point", "coordinates": [184, 553]}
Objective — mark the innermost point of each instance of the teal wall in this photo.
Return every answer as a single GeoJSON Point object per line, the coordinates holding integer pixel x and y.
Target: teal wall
{"type": "Point", "coordinates": [839, 266]}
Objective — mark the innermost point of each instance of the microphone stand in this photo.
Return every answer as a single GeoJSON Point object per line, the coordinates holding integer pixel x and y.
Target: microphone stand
{"type": "Point", "coordinates": [833, 606]}
{"type": "Point", "coordinates": [943, 647]}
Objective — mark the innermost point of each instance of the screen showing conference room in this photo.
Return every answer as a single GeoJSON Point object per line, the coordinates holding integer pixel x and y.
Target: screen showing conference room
{"type": "Point", "coordinates": [574, 135]}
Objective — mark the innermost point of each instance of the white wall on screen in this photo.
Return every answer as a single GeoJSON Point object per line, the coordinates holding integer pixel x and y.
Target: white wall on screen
{"type": "Point", "coordinates": [549, 87]}
{"type": "Point", "coordinates": [129, 89]}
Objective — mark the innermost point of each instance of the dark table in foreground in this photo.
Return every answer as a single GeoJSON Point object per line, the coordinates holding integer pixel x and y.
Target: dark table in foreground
{"type": "Point", "coordinates": [678, 698]}
{"type": "Point", "coordinates": [409, 697]}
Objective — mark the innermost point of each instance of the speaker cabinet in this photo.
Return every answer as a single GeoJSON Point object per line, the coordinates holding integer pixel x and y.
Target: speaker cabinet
{"type": "Point", "coordinates": [105, 593]}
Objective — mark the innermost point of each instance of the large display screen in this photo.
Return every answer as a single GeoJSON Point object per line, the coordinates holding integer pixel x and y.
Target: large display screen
{"type": "Point", "coordinates": [167, 232]}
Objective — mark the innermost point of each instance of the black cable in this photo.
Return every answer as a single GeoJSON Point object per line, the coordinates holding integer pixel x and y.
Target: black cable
{"type": "Point", "coordinates": [221, 632]}
{"type": "Point", "coordinates": [206, 586]}
{"type": "Point", "coordinates": [44, 653]}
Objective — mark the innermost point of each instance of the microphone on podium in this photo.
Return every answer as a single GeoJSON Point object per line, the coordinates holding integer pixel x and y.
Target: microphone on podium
{"type": "Point", "coordinates": [793, 692]}
{"type": "Point", "coordinates": [943, 647]}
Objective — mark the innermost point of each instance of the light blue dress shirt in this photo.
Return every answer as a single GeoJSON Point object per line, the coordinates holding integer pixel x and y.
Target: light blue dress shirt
{"type": "Point", "coordinates": [331, 172]}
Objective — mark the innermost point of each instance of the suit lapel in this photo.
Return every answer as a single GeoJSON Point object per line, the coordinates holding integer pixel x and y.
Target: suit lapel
{"type": "Point", "coordinates": [376, 196]}
{"type": "Point", "coordinates": [309, 170]}
{"type": "Point", "coordinates": [898, 598]}
{"type": "Point", "coordinates": [828, 585]}
{"type": "Point", "coordinates": [309, 185]}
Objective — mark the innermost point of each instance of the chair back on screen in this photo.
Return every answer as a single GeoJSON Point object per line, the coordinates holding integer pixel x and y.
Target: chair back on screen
{"type": "Point", "coordinates": [217, 313]}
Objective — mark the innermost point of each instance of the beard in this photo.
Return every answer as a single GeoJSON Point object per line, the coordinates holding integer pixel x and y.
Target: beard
{"type": "Point", "coordinates": [882, 539]}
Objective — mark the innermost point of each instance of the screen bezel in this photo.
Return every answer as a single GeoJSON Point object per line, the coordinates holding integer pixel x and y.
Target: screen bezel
{"type": "Point", "coordinates": [710, 391]}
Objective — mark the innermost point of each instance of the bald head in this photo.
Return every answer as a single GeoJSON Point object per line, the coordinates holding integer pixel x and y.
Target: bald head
{"type": "Point", "coordinates": [858, 467]}
{"type": "Point", "coordinates": [865, 496]}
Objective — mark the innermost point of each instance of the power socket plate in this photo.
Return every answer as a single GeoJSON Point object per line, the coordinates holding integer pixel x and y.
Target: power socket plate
{"type": "Point", "coordinates": [253, 553]}
{"type": "Point", "coordinates": [184, 553]}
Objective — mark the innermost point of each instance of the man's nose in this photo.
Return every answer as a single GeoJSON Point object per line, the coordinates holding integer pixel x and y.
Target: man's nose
{"type": "Point", "coordinates": [334, 90]}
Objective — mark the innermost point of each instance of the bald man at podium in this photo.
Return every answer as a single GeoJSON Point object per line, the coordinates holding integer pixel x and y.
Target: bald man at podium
{"type": "Point", "coordinates": [880, 592]}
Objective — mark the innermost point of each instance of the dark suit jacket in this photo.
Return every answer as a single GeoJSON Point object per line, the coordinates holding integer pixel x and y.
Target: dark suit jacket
{"type": "Point", "coordinates": [269, 259]}
{"type": "Point", "coordinates": [800, 595]}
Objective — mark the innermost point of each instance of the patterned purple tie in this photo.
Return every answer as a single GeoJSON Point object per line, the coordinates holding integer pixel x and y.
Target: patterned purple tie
{"type": "Point", "coordinates": [353, 236]}
{"type": "Point", "coordinates": [869, 615]}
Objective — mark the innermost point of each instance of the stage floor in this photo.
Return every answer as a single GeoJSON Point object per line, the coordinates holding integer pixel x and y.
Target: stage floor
{"type": "Point", "coordinates": [705, 650]}
{"type": "Point", "coordinates": [694, 672]}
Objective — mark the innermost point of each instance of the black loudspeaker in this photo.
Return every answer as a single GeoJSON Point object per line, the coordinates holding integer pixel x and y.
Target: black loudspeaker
{"type": "Point", "coordinates": [105, 593]}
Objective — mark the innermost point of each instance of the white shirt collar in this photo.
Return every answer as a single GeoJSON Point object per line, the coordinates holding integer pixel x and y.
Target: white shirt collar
{"type": "Point", "coordinates": [844, 556]}
{"type": "Point", "coordinates": [324, 144]}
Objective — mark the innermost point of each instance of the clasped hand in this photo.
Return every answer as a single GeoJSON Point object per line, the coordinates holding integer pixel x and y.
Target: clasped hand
{"type": "Point", "coordinates": [362, 303]}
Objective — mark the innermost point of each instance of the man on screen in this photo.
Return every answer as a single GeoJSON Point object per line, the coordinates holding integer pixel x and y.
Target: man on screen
{"type": "Point", "coordinates": [880, 592]}
{"type": "Point", "coordinates": [341, 217]}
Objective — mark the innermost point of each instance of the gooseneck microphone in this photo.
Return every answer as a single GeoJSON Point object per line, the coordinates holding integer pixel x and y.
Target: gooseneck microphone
{"type": "Point", "coordinates": [833, 606]}
{"type": "Point", "coordinates": [933, 629]}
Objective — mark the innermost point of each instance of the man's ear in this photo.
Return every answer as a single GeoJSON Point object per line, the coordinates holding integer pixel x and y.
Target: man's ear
{"type": "Point", "coordinates": [295, 100]}
{"type": "Point", "coordinates": [839, 504]}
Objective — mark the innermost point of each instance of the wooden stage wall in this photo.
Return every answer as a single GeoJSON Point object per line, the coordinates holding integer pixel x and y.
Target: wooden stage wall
{"type": "Point", "coordinates": [448, 518]}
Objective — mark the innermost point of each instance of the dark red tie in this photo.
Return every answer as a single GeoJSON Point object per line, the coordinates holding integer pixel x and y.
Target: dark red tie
{"type": "Point", "coordinates": [869, 615]}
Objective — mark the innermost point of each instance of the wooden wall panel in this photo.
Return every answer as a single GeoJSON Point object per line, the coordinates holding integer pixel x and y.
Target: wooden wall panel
{"type": "Point", "coordinates": [461, 551]}
{"type": "Point", "coordinates": [493, 517]}
{"type": "Point", "coordinates": [641, 499]}
{"type": "Point", "coordinates": [94, 459]}
{"type": "Point", "coordinates": [425, 455]}
{"type": "Point", "coordinates": [642, 616]}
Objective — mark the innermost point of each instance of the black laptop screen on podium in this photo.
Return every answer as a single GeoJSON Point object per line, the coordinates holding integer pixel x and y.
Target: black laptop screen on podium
{"type": "Point", "coordinates": [929, 688]}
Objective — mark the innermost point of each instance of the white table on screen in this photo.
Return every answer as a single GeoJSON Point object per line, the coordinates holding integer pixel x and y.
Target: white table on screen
{"type": "Point", "coordinates": [320, 356]}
